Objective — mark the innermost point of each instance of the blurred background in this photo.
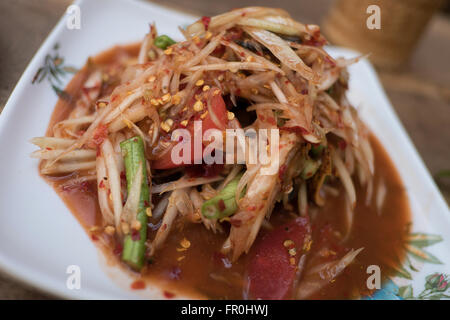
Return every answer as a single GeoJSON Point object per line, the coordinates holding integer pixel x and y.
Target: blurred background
{"type": "Point", "coordinates": [411, 52]}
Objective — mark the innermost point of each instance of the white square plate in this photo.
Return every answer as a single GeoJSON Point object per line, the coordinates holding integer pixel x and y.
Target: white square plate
{"type": "Point", "coordinates": [39, 237]}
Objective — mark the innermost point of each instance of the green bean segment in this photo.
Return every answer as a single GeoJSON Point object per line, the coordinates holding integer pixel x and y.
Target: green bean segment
{"type": "Point", "coordinates": [224, 204]}
{"type": "Point", "coordinates": [134, 245]}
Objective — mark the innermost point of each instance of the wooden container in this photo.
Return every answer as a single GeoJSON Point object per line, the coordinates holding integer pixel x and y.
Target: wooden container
{"type": "Point", "coordinates": [401, 24]}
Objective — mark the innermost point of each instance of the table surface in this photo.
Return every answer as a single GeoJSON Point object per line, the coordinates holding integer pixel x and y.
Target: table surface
{"type": "Point", "coordinates": [420, 93]}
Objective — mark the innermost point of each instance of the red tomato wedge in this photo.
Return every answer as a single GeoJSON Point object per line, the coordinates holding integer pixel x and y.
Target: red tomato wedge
{"type": "Point", "coordinates": [271, 272]}
{"type": "Point", "coordinates": [213, 99]}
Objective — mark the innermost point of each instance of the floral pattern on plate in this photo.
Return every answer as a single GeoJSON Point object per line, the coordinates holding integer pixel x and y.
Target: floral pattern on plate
{"type": "Point", "coordinates": [400, 286]}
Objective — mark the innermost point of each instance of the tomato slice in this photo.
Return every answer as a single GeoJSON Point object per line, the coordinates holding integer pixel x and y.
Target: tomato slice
{"type": "Point", "coordinates": [272, 269]}
{"type": "Point", "coordinates": [218, 108]}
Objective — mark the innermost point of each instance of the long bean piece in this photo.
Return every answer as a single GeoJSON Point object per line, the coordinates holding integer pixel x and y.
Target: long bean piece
{"type": "Point", "coordinates": [134, 245]}
{"type": "Point", "coordinates": [223, 204]}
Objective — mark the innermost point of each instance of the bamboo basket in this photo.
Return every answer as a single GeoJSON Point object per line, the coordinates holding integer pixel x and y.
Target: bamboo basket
{"type": "Point", "coordinates": [402, 23]}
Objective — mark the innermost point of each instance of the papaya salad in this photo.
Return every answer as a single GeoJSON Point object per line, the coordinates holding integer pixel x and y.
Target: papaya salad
{"type": "Point", "coordinates": [227, 230]}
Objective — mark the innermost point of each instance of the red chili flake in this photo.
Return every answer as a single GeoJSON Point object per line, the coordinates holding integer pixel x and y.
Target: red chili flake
{"type": "Point", "coordinates": [169, 295]}
{"type": "Point", "coordinates": [135, 235]}
{"type": "Point", "coordinates": [271, 121]}
{"type": "Point", "coordinates": [251, 208]}
{"type": "Point", "coordinates": [94, 237]}
{"type": "Point", "coordinates": [315, 42]}
{"type": "Point", "coordinates": [84, 186]}
{"type": "Point", "coordinates": [219, 50]}
{"type": "Point", "coordinates": [221, 205]}
{"type": "Point", "coordinates": [290, 245]}
{"type": "Point", "coordinates": [242, 54]}
{"type": "Point", "coordinates": [114, 97]}
{"type": "Point", "coordinates": [146, 203]}
{"type": "Point", "coordinates": [282, 171]}
{"type": "Point", "coordinates": [295, 129]}
{"type": "Point", "coordinates": [206, 21]}
{"type": "Point", "coordinates": [342, 144]}
{"type": "Point", "coordinates": [138, 285]}
{"type": "Point", "coordinates": [118, 249]}
{"type": "Point", "coordinates": [122, 175]}
{"type": "Point", "coordinates": [100, 134]}
{"type": "Point", "coordinates": [234, 34]}
{"type": "Point", "coordinates": [48, 148]}
{"type": "Point", "coordinates": [101, 185]}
